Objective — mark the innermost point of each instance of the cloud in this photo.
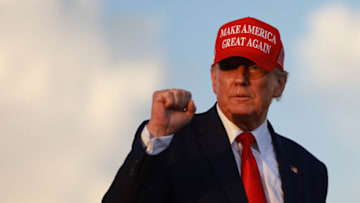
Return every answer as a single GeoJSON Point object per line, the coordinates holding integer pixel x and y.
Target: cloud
{"type": "Point", "coordinates": [329, 58]}
{"type": "Point", "coordinates": [70, 97]}
{"type": "Point", "coordinates": [329, 52]}
{"type": "Point", "coordinates": [328, 69]}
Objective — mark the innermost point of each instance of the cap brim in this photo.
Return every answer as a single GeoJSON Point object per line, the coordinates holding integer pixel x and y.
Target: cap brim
{"type": "Point", "coordinates": [260, 60]}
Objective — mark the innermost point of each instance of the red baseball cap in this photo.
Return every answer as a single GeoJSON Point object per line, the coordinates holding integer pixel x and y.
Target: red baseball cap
{"type": "Point", "coordinates": [252, 39]}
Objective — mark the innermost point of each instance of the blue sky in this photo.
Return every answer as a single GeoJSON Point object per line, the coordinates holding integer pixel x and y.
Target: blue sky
{"type": "Point", "coordinates": [76, 79]}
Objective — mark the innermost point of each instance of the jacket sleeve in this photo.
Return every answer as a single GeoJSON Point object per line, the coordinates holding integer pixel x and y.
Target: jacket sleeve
{"type": "Point", "coordinates": [141, 178]}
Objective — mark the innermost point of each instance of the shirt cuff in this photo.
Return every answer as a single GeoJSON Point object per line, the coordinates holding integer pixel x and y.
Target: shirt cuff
{"type": "Point", "coordinates": [154, 145]}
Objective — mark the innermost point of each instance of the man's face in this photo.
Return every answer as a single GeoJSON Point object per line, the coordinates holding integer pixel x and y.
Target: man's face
{"type": "Point", "coordinates": [243, 89]}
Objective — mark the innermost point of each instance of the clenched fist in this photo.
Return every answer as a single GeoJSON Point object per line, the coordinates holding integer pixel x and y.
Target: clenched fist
{"type": "Point", "coordinates": [171, 110]}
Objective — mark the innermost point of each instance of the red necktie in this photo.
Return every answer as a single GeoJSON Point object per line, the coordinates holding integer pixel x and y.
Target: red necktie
{"type": "Point", "coordinates": [249, 170]}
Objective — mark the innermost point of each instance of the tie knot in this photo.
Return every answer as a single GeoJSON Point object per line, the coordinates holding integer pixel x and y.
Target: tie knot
{"type": "Point", "coordinates": [245, 139]}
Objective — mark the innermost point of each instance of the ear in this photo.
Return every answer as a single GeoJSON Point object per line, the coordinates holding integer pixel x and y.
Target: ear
{"type": "Point", "coordinates": [280, 86]}
{"type": "Point", "coordinates": [213, 72]}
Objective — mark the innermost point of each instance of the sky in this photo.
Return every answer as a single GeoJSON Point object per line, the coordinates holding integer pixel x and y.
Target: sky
{"type": "Point", "coordinates": [77, 76]}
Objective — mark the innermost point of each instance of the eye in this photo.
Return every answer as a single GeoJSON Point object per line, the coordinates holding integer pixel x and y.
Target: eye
{"type": "Point", "coordinates": [254, 68]}
{"type": "Point", "coordinates": [255, 72]}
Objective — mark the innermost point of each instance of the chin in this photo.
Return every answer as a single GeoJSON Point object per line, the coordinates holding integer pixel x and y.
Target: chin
{"type": "Point", "coordinates": [242, 111]}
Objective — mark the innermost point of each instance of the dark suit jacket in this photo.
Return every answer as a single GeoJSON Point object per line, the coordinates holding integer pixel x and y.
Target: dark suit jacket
{"type": "Point", "coordinates": [199, 166]}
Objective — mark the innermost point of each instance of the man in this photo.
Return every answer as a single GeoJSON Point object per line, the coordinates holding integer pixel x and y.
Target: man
{"type": "Point", "coordinates": [230, 153]}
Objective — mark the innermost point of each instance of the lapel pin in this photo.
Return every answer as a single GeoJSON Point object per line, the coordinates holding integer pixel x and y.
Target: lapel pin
{"type": "Point", "coordinates": [294, 169]}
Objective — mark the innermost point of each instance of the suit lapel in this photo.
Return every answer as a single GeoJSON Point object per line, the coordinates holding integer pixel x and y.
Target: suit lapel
{"type": "Point", "coordinates": [216, 146]}
{"type": "Point", "coordinates": [288, 170]}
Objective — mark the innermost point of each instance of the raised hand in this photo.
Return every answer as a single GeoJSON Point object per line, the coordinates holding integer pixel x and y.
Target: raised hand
{"type": "Point", "coordinates": [171, 110]}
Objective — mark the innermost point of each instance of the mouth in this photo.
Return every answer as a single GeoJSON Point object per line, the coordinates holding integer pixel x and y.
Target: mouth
{"type": "Point", "coordinates": [241, 97]}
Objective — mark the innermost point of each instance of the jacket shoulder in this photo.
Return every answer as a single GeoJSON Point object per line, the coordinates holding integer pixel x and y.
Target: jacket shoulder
{"type": "Point", "coordinates": [300, 153]}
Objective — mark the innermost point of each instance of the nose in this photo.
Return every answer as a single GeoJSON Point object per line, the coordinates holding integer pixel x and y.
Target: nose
{"type": "Point", "coordinates": [240, 75]}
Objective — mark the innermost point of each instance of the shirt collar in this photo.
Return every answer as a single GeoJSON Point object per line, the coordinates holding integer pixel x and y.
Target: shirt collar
{"type": "Point", "coordinates": [261, 134]}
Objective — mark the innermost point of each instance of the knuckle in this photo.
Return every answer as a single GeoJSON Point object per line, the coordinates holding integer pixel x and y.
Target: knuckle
{"type": "Point", "coordinates": [178, 94]}
{"type": "Point", "coordinates": [155, 94]}
{"type": "Point", "coordinates": [159, 93]}
{"type": "Point", "coordinates": [168, 94]}
{"type": "Point", "coordinates": [184, 93]}
{"type": "Point", "coordinates": [189, 93]}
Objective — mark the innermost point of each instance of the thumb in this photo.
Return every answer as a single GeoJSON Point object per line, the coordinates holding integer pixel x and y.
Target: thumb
{"type": "Point", "coordinates": [190, 109]}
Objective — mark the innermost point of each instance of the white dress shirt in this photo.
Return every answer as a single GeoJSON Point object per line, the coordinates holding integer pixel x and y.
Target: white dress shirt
{"type": "Point", "coordinates": [263, 151]}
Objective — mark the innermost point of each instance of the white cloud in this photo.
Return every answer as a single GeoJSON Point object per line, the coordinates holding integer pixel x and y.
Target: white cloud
{"type": "Point", "coordinates": [328, 71]}
{"type": "Point", "coordinates": [328, 65]}
{"type": "Point", "coordinates": [69, 98]}
{"type": "Point", "coordinates": [329, 52]}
